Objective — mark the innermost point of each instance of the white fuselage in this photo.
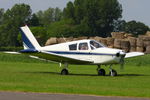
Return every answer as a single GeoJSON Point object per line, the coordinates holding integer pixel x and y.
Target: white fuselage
{"type": "Point", "coordinates": [102, 55]}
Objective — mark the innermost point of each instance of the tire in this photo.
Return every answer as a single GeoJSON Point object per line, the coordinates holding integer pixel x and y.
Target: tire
{"type": "Point", "coordinates": [101, 72]}
{"type": "Point", "coordinates": [113, 73]}
{"type": "Point", "coordinates": [64, 72]}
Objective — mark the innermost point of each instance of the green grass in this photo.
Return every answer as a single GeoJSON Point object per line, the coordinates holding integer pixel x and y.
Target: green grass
{"type": "Point", "coordinates": [20, 73]}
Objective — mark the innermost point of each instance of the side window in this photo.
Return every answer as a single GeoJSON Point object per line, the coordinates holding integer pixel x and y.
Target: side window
{"type": "Point", "coordinates": [73, 47]}
{"type": "Point", "coordinates": [83, 46]}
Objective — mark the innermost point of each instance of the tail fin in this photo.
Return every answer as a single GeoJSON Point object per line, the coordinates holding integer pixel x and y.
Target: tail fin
{"type": "Point", "coordinates": [29, 41]}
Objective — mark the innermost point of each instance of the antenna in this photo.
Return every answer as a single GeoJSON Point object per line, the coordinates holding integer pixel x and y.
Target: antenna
{"type": "Point", "coordinates": [63, 37]}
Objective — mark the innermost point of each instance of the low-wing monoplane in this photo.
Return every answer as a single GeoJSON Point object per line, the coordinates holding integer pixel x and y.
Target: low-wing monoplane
{"type": "Point", "coordinates": [84, 52]}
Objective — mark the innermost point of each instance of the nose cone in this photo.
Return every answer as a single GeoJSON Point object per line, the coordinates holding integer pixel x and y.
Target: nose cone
{"type": "Point", "coordinates": [121, 54]}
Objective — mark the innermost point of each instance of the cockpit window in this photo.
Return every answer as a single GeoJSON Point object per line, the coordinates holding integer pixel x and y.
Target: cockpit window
{"type": "Point", "coordinates": [83, 46]}
{"type": "Point", "coordinates": [73, 47]}
{"type": "Point", "coordinates": [94, 45]}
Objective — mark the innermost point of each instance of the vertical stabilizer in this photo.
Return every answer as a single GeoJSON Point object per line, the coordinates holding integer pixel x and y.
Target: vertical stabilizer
{"type": "Point", "coordinates": [29, 41]}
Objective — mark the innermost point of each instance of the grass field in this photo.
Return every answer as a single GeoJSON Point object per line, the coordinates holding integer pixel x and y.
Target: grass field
{"type": "Point", "coordinates": [20, 73]}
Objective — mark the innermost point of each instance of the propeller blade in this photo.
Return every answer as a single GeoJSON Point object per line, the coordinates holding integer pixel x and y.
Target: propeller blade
{"type": "Point", "coordinates": [122, 63]}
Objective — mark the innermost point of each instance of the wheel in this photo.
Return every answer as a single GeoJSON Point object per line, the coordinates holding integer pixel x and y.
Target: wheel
{"type": "Point", "coordinates": [113, 73]}
{"type": "Point", "coordinates": [101, 72]}
{"type": "Point", "coordinates": [64, 72]}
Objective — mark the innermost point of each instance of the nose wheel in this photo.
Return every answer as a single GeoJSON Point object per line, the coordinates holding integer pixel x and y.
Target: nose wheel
{"type": "Point", "coordinates": [112, 71]}
{"type": "Point", "coordinates": [65, 71]}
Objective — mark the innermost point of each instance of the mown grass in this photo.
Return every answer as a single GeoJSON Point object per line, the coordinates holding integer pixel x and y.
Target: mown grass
{"type": "Point", "coordinates": [20, 73]}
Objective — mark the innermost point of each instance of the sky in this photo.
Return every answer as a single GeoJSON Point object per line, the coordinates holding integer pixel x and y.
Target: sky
{"type": "Point", "coordinates": [132, 9]}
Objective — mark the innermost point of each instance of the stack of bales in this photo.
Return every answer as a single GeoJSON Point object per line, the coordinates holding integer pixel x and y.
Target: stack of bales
{"type": "Point", "coordinates": [146, 43]}
{"type": "Point", "coordinates": [51, 41]}
{"type": "Point", "coordinates": [110, 42]}
{"type": "Point", "coordinates": [132, 41]}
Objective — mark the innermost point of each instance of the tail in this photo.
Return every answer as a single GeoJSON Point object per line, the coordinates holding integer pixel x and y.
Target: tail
{"type": "Point", "coordinates": [29, 41]}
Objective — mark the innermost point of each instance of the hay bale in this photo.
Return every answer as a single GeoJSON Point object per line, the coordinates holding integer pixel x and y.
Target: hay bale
{"type": "Point", "coordinates": [117, 43]}
{"type": "Point", "coordinates": [132, 49]}
{"type": "Point", "coordinates": [103, 41]}
{"type": "Point", "coordinates": [147, 49]}
{"type": "Point", "coordinates": [140, 42]}
{"type": "Point", "coordinates": [97, 38]}
{"type": "Point", "coordinates": [146, 43]}
{"type": "Point", "coordinates": [51, 41]}
{"type": "Point", "coordinates": [140, 49]}
{"type": "Point", "coordinates": [132, 41]}
{"type": "Point", "coordinates": [110, 41]}
{"type": "Point", "coordinates": [127, 35]}
{"type": "Point", "coordinates": [144, 37]}
{"type": "Point", "coordinates": [118, 35]}
{"type": "Point", "coordinates": [125, 45]}
{"type": "Point", "coordinates": [69, 39]}
{"type": "Point", "coordinates": [61, 40]}
{"type": "Point", "coordinates": [148, 33]}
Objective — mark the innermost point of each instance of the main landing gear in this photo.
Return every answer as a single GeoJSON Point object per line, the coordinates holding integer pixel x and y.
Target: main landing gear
{"type": "Point", "coordinates": [102, 72]}
{"type": "Point", "coordinates": [65, 71]}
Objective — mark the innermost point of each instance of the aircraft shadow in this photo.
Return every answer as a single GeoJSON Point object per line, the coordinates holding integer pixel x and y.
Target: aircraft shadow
{"type": "Point", "coordinates": [72, 74]}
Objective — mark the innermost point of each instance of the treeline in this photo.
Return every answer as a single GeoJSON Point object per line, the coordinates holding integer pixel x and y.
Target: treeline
{"type": "Point", "coordinates": [78, 18]}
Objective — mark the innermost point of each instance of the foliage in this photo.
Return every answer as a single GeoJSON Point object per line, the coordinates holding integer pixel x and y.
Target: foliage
{"type": "Point", "coordinates": [62, 28]}
{"type": "Point", "coordinates": [49, 16]}
{"type": "Point", "coordinates": [136, 28]}
{"type": "Point", "coordinates": [40, 34]}
{"type": "Point", "coordinates": [98, 15]}
{"type": "Point", "coordinates": [1, 15]}
{"type": "Point", "coordinates": [13, 19]}
{"type": "Point", "coordinates": [11, 48]}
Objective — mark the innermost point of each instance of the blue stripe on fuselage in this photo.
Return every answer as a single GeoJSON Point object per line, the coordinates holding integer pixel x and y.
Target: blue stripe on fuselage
{"type": "Point", "coordinates": [79, 53]}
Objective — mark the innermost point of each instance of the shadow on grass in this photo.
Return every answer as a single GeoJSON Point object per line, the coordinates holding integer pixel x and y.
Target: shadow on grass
{"type": "Point", "coordinates": [72, 74]}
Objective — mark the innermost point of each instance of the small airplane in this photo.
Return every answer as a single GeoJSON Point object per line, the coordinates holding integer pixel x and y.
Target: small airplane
{"type": "Point", "coordinates": [81, 52]}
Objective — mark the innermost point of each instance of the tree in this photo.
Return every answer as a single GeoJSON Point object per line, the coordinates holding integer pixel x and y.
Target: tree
{"type": "Point", "coordinates": [49, 16]}
{"type": "Point", "coordinates": [136, 28]}
{"type": "Point", "coordinates": [34, 21]}
{"type": "Point", "coordinates": [13, 18]}
{"type": "Point", "coordinates": [1, 15]}
{"type": "Point", "coordinates": [98, 15]}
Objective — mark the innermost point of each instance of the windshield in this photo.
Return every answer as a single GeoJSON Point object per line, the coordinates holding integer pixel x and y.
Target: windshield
{"type": "Point", "coordinates": [95, 44]}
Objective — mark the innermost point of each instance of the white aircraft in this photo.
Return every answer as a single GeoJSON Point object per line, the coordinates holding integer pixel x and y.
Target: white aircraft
{"type": "Point", "coordinates": [84, 52]}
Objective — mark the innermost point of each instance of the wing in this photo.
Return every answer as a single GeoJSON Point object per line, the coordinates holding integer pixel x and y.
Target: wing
{"type": "Point", "coordinates": [10, 52]}
{"type": "Point", "coordinates": [59, 58]}
{"type": "Point", "coordinates": [133, 54]}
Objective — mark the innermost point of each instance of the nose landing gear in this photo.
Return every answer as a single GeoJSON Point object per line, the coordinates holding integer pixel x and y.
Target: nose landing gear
{"type": "Point", "coordinates": [102, 72]}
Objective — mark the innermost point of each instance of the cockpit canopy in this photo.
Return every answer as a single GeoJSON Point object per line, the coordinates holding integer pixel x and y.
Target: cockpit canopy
{"type": "Point", "coordinates": [85, 45]}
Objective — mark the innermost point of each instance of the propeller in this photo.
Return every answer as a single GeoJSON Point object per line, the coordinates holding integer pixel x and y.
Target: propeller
{"type": "Point", "coordinates": [121, 55]}
{"type": "Point", "coordinates": [122, 62]}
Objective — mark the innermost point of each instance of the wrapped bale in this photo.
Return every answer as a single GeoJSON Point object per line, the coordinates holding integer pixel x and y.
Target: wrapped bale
{"type": "Point", "coordinates": [110, 41]}
{"type": "Point", "coordinates": [140, 42]}
{"type": "Point", "coordinates": [148, 50]}
{"type": "Point", "coordinates": [118, 35]}
{"type": "Point", "coordinates": [140, 49]}
{"type": "Point", "coordinates": [51, 41]}
{"type": "Point", "coordinates": [125, 45]}
{"type": "Point", "coordinates": [132, 41]}
{"type": "Point", "coordinates": [117, 43]}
